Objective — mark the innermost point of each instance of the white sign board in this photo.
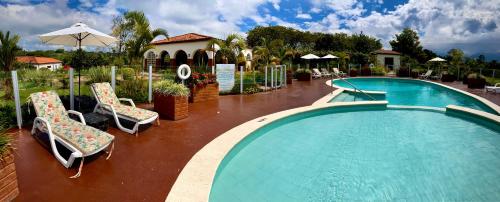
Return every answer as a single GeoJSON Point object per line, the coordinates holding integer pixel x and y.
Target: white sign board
{"type": "Point", "coordinates": [225, 76]}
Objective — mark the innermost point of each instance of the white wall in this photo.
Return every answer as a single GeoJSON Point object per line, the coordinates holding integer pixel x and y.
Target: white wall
{"type": "Point", "coordinates": [189, 47]}
{"type": "Point", "coordinates": [51, 66]}
{"type": "Point", "coordinates": [381, 60]}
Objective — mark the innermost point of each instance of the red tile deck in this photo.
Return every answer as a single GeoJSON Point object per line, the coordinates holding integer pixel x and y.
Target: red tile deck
{"type": "Point", "coordinates": [144, 168]}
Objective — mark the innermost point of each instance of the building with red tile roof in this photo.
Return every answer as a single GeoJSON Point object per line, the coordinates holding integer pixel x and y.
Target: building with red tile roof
{"type": "Point", "coordinates": [40, 62]}
{"type": "Point", "coordinates": [388, 58]}
{"type": "Point", "coordinates": [188, 49]}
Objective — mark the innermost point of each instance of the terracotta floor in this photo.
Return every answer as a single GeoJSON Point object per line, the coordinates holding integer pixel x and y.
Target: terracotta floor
{"type": "Point", "coordinates": [144, 168]}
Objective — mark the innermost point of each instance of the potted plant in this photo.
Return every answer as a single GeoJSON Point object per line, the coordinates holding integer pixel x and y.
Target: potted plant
{"type": "Point", "coordinates": [203, 87]}
{"type": "Point", "coordinates": [171, 100]}
{"type": "Point", "coordinates": [303, 74]}
{"type": "Point", "coordinates": [8, 178]}
{"type": "Point", "coordinates": [447, 77]}
{"type": "Point", "coordinates": [353, 73]}
{"type": "Point", "coordinates": [289, 76]}
{"type": "Point", "coordinates": [475, 80]}
{"type": "Point", "coordinates": [403, 72]}
{"type": "Point", "coordinates": [415, 73]}
{"type": "Point", "coordinates": [366, 71]}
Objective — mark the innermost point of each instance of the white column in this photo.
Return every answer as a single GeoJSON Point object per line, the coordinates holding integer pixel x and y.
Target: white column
{"type": "Point", "coordinates": [71, 88]}
{"type": "Point", "coordinates": [17, 100]}
{"type": "Point", "coordinates": [265, 76]}
{"type": "Point", "coordinates": [150, 83]}
{"type": "Point", "coordinates": [113, 77]}
{"type": "Point", "coordinates": [241, 79]}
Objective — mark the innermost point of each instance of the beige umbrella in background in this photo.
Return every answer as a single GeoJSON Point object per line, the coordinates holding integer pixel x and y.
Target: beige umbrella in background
{"type": "Point", "coordinates": [309, 57]}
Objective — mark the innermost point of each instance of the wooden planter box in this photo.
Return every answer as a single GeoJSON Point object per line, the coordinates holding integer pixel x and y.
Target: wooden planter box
{"type": "Point", "coordinates": [476, 83]}
{"type": "Point", "coordinates": [403, 72]}
{"type": "Point", "coordinates": [414, 75]}
{"type": "Point", "coordinates": [8, 179]}
{"type": "Point", "coordinates": [289, 77]}
{"type": "Point", "coordinates": [448, 78]}
{"type": "Point", "coordinates": [366, 72]}
{"type": "Point", "coordinates": [171, 107]}
{"type": "Point", "coordinates": [353, 73]}
{"type": "Point", "coordinates": [201, 94]}
{"type": "Point", "coordinates": [304, 76]}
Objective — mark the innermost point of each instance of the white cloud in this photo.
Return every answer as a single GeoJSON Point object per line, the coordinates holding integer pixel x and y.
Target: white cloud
{"type": "Point", "coordinates": [305, 16]}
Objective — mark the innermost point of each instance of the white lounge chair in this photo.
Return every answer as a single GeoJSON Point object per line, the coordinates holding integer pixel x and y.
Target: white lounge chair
{"type": "Point", "coordinates": [426, 75]}
{"type": "Point", "coordinates": [52, 118]}
{"type": "Point", "coordinates": [325, 72]}
{"type": "Point", "coordinates": [495, 88]}
{"type": "Point", "coordinates": [338, 73]}
{"type": "Point", "coordinates": [316, 73]}
{"type": "Point", "coordinates": [108, 103]}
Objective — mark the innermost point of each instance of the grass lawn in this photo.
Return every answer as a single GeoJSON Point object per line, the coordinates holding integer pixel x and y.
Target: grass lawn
{"type": "Point", "coordinates": [24, 93]}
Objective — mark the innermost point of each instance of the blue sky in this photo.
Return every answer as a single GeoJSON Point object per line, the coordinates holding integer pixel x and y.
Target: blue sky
{"type": "Point", "coordinates": [442, 25]}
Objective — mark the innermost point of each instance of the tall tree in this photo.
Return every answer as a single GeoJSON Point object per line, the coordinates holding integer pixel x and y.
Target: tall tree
{"type": "Point", "coordinates": [8, 51]}
{"type": "Point", "coordinates": [121, 32]}
{"type": "Point", "coordinates": [231, 47]}
{"type": "Point", "coordinates": [142, 35]}
{"type": "Point", "coordinates": [407, 43]}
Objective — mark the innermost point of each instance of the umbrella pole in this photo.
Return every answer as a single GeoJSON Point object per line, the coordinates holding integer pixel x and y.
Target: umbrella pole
{"type": "Point", "coordinates": [79, 70]}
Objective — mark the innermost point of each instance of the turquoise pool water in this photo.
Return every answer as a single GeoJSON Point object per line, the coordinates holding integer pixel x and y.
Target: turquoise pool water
{"type": "Point", "coordinates": [414, 92]}
{"type": "Point", "coordinates": [347, 96]}
{"type": "Point", "coordinates": [354, 155]}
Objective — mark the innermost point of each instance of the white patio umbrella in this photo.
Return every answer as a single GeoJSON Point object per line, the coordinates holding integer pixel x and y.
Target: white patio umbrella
{"type": "Point", "coordinates": [329, 56]}
{"type": "Point", "coordinates": [437, 59]}
{"type": "Point", "coordinates": [310, 56]}
{"type": "Point", "coordinates": [78, 35]}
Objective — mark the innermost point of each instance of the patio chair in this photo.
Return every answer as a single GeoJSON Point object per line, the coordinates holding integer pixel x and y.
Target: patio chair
{"type": "Point", "coordinates": [495, 88]}
{"type": "Point", "coordinates": [316, 73]}
{"type": "Point", "coordinates": [325, 72]}
{"type": "Point", "coordinates": [437, 77]}
{"type": "Point", "coordinates": [426, 75]}
{"type": "Point", "coordinates": [338, 73]}
{"type": "Point", "coordinates": [82, 140]}
{"type": "Point", "coordinates": [108, 103]}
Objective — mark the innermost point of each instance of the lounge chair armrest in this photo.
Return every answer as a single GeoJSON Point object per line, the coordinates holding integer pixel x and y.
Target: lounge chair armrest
{"type": "Point", "coordinates": [41, 120]}
{"type": "Point", "coordinates": [79, 114]}
{"type": "Point", "coordinates": [128, 100]}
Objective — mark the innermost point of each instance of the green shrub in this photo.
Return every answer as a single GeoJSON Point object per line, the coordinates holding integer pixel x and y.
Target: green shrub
{"type": "Point", "coordinates": [7, 115]}
{"type": "Point", "coordinates": [301, 71]}
{"type": "Point", "coordinates": [378, 71]}
{"type": "Point", "coordinates": [169, 74]}
{"type": "Point", "coordinates": [136, 89]}
{"type": "Point", "coordinates": [99, 74]}
{"type": "Point", "coordinates": [41, 77]}
{"type": "Point", "coordinates": [128, 73]}
{"type": "Point", "coordinates": [168, 87]}
{"type": "Point", "coordinates": [248, 88]}
{"type": "Point", "coordinates": [475, 76]}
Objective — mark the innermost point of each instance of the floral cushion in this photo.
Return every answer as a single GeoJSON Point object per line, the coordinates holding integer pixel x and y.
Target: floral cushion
{"type": "Point", "coordinates": [106, 95]}
{"type": "Point", "coordinates": [85, 138]}
{"type": "Point", "coordinates": [49, 106]}
{"type": "Point", "coordinates": [134, 112]}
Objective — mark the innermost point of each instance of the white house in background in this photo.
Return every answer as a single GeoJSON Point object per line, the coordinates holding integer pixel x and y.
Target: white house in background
{"type": "Point", "coordinates": [40, 62]}
{"type": "Point", "coordinates": [188, 49]}
{"type": "Point", "coordinates": [388, 58]}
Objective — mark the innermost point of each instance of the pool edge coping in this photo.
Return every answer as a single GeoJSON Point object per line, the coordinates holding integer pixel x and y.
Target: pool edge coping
{"type": "Point", "coordinates": [488, 103]}
{"type": "Point", "coordinates": [194, 182]}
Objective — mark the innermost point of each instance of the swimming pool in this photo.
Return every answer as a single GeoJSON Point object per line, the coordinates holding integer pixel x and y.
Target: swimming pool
{"type": "Point", "coordinates": [411, 92]}
{"type": "Point", "coordinates": [351, 154]}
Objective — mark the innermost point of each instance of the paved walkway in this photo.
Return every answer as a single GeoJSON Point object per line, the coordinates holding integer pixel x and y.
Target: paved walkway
{"type": "Point", "coordinates": [144, 168]}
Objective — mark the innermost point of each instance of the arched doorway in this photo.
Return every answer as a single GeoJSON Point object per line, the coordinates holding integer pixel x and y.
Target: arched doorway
{"type": "Point", "coordinates": [150, 60]}
{"type": "Point", "coordinates": [164, 60]}
{"type": "Point", "coordinates": [200, 58]}
{"type": "Point", "coordinates": [180, 58]}
{"type": "Point", "coordinates": [218, 58]}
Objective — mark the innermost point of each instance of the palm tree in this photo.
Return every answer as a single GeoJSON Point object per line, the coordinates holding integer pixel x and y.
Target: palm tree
{"type": "Point", "coordinates": [8, 50]}
{"type": "Point", "coordinates": [142, 35]}
{"type": "Point", "coordinates": [228, 48]}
